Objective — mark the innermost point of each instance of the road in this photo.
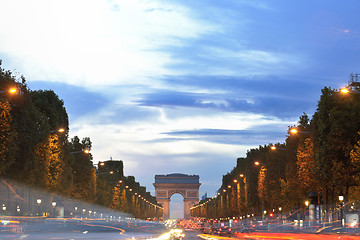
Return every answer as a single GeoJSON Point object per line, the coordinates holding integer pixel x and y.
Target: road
{"type": "Point", "coordinates": [73, 229]}
{"type": "Point", "coordinates": [39, 229]}
{"type": "Point", "coordinates": [192, 234]}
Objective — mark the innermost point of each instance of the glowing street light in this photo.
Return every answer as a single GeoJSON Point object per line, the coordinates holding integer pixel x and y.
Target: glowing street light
{"type": "Point", "coordinates": [273, 148]}
{"type": "Point", "coordinates": [295, 131]}
{"type": "Point", "coordinates": [346, 90]}
{"type": "Point", "coordinates": [86, 151]}
{"type": "Point", "coordinates": [60, 130]}
{"type": "Point", "coordinates": [257, 163]}
{"type": "Point", "coordinates": [341, 199]}
{"type": "Point", "coordinates": [11, 91]}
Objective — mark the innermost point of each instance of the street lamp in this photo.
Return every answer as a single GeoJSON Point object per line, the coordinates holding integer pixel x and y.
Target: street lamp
{"type": "Point", "coordinates": [38, 201]}
{"type": "Point", "coordinates": [257, 163]}
{"type": "Point", "coordinates": [12, 90]}
{"type": "Point", "coordinates": [277, 148]}
{"type": "Point", "coordinates": [347, 90]}
{"type": "Point", "coordinates": [294, 130]}
{"type": "Point", "coordinates": [60, 130]}
{"type": "Point", "coordinates": [86, 151]}
{"type": "Point", "coordinates": [53, 204]}
{"type": "Point", "coordinates": [341, 199]}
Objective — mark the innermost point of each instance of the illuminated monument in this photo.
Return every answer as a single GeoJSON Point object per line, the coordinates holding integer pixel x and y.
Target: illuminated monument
{"type": "Point", "coordinates": [186, 185]}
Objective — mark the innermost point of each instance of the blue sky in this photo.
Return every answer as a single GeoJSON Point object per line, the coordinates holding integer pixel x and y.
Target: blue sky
{"type": "Point", "coordinates": [181, 86]}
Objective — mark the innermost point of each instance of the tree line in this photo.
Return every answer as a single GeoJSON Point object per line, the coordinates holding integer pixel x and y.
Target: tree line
{"type": "Point", "coordinates": [35, 152]}
{"type": "Point", "coordinates": [320, 155]}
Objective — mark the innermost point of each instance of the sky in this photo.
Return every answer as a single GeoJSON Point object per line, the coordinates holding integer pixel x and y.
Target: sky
{"type": "Point", "coordinates": [181, 86]}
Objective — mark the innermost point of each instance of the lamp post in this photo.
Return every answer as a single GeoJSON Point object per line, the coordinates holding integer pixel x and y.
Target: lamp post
{"type": "Point", "coordinates": [341, 199]}
{"type": "Point", "coordinates": [53, 204]}
{"type": "Point", "coordinates": [4, 208]}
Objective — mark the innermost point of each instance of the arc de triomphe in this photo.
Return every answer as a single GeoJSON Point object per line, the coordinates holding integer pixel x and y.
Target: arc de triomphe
{"type": "Point", "coordinates": [186, 185]}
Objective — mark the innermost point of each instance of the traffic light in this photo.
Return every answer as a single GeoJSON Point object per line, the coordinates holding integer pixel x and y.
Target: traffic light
{"type": "Point", "coordinates": [271, 214]}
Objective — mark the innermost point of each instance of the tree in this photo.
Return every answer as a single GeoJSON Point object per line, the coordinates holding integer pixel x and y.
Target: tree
{"type": "Point", "coordinates": [7, 138]}
{"type": "Point", "coordinates": [262, 191]}
{"type": "Point", "coordinates": [336, 123]}
{"type": "Point", "coordinates": [84, 174]}
{"type": "Point", "coordinates": [354, 192]}
{"type": "Point", "coordinates": [306, 168]}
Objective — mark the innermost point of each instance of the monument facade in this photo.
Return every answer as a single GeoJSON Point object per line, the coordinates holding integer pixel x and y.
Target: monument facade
{"type": "Point", "coordinates": [186, 185]}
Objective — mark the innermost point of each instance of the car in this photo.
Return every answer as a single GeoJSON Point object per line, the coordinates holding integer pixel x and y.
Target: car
{"type": "Point", "coordinates": [224, 231]}
{"type": "Point", "coordinates": [245, 229]}
{"type": "Point", "coordinates": [209, 229]}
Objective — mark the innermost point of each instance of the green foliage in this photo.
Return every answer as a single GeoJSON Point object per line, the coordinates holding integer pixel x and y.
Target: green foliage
{"type": "Point", "coordinates": [7, 138]}
{"type": "Point", "coordinates": [84, 175]}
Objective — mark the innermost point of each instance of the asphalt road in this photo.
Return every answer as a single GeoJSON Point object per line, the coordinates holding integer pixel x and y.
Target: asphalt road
{"type": "Point", "coordinates": [191, 235]}
{"type": "Point", "coordinates": [74, 229]}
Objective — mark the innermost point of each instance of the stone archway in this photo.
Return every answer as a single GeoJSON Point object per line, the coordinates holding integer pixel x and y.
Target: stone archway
{"type": "Point", "coordinates": [185, 185]}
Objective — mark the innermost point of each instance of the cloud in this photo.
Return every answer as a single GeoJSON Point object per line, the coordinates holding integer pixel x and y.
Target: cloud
{"type": "Point", "coordinates": [278, 97]}
{"type": "Point", "coordinates": [241, 137]}
{"type": "Point", "coordinates": [112, 42]}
